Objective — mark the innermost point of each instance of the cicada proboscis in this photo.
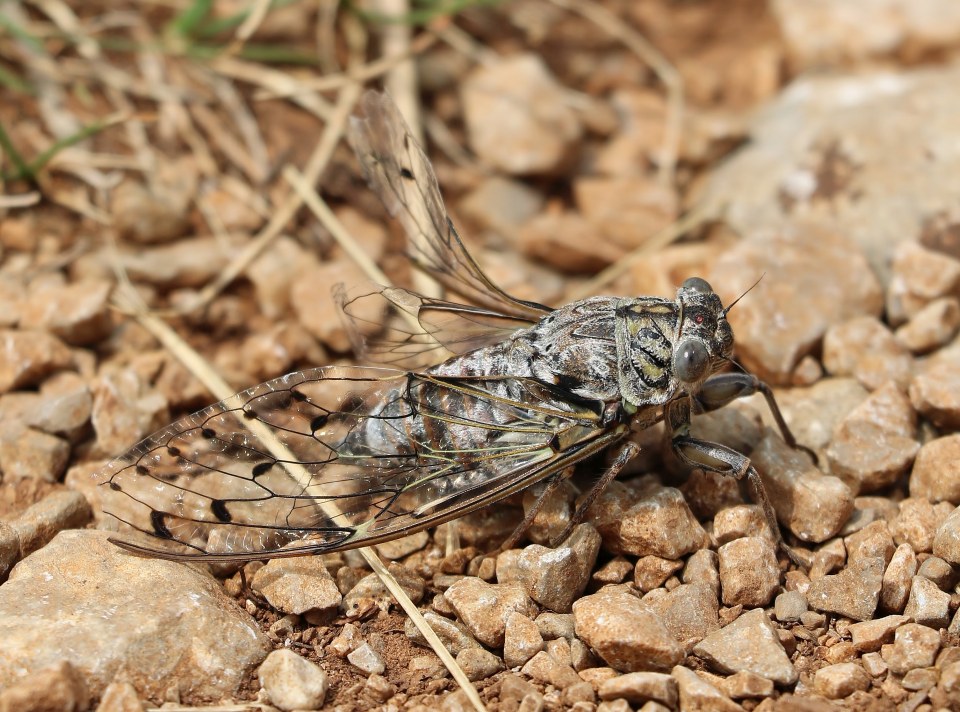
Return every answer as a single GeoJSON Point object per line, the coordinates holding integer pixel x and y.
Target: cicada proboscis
{"type": "Point", "coordinates": [338, 457]}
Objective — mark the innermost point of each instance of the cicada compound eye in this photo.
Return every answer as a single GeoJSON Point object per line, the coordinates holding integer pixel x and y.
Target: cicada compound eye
{"type": "Point", "coordinates": [697, 284]}
{"type": "Point", "coordinates": [691, 360]}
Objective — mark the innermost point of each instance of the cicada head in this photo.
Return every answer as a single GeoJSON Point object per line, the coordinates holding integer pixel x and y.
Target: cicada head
{"type": "Point", "coordinates": [704, 339]}
{"type": "Point", "coordinates": [666, 345]}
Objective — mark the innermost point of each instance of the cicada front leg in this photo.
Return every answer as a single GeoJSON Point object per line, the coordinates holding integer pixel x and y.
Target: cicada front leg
{"type": "Point", "coordinates": [715, 393]}
{"type": "Point", "coordinates": [724, 388]}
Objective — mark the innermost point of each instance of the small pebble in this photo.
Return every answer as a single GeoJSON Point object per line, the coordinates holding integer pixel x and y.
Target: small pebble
{"type": "Point", "coordinates": [749, 572]}
{"type": "Point", "coordinates": [869, 636]}
{"type": "Point", "coordinates": [29, 357]}
{"type": "Point", "coordinates": [579, 694]}
{"type": "Point", "coordinates": [545, 668]}
{"type": "Point", "coordinates": [746, 685]}
{"type": "Point", "coordinates": [939, 571]}
{"type": "Point", "coordinates": [873, 540]}
{"type": "Point", "coordinates": [120, 697]}
{"type": "Point", "coordinates": [651, 571]}
{"type": "Point", "coordinates": [873, 664]}
{"type": "Point", "coordinates": [555, 577]}
{"type": "Point", "coordinates": [29, 453]}
{"type": "Point", "coordinates": [928, 605]}
{"type": "Point", "coordinates": [838, 681]}
{"type": "Point", "coordinates": [404, 546]}
{"type": "Point", "coordinates": [914, 646]}
{"type": "Point", "coordinates": [739, 521]}
{"type": "Point", "coordinates": [624, 633]}
{"type": "Point", "coordinates": [854, 592]}
{"type": "Point", "coordinates": [366, 659]}
{"type": "Point", "coordinates": [78, 313]}
{"type": "Point", "coordinates": [452, 634]}
{"type": "Point", "coordinates": [918, 276]}
{"type": "Point", "coordinates": [556, 625]}
{"type": "Point", "coordinates": [703, 567]}
{"type": "Point", "coordinates": [935, 393]}
{"type": "Point", "coordinates": [750, 643]}
{"type": "Point", "coordinates": [348, 640]}
{"type": "Point", "coordinates": [298, 585]}
{"type": "Point", "coordinates": [484, 607]}
{"type": "Point", "coordinates": [931, 327]}
{"type": "Point", "coordinates": [789, 606]}
{"type": "Point", "coordinates": [478, 664]}
{"type": "Point", "coordinates": [614, 571]}
{"type": "Point", "coordinates": [292, 682]}
{"type": "Point", "coordinates": [39, 523]}
{"type": "Point", "coordinates": [695, 693]}
{"type": "Point", "coordinates": [915, 524]}
{"type": "Point", "coordinates": [865, 348]}
{"type": "Point", "coordinates": [522, 640]}
{"type": "Point", "coordinates": [688, 611]}
{"type": "Point", "coordinates": [641, 687]}
{"type": "Point", "coordinates": [371, 590]}
{"type": "Point", "coordinates": [869, 458]}
{"type": "Point", "coordinates": [919, 679]}
{"type": "Point", "coordinates": [814, 506]}
{"type": "Point", "coordinates": [522, 141]}
{"type": "Point", "coordinates": [660, 524]}
{"type": "Point", "coordinates": [895, 588]}
{"type": "Point", "coordinates": [946, 543]}
{"type": "Point", "coordinates": [379, 688]}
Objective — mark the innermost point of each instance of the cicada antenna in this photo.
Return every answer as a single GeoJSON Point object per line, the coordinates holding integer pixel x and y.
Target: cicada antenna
{"type": "Point", "coordinates": [749, 289]}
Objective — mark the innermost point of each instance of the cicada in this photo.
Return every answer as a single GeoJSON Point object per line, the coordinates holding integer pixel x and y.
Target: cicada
{"type": "Point", "coordinates": [339, 457]}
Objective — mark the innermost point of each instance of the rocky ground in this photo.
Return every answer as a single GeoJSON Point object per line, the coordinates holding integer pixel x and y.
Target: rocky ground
{"type": "Point", "coordinates": [811, 144]}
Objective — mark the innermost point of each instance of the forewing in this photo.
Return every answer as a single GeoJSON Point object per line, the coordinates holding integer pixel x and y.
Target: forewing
{"type": "Point", "coordinates": [338, 457]}
{"type": "Point", "coordinates": [425, 330]}
{"type": "Point", "coordinates": [400, 173]}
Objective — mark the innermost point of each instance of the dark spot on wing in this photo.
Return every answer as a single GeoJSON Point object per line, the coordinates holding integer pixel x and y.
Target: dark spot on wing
{"type": "Point", "coordinates": [406, 173]}
{"type": "Point", "coordinates": [173, 451]}
{"type": "Point", "coordinates": [220, 511]}
{"type": "Point", "coordinates": [141, 470]}
{"type": "Point", "coordinates": [159, 525]}
{"type": "Point", "coordinates": [114, 486]}
{"type": "Point", "coordinates": [208, 433]}
{"type": "Point", "coordinates": [319, 422]}
{"type": "Point", "coordinates": [262, 467]}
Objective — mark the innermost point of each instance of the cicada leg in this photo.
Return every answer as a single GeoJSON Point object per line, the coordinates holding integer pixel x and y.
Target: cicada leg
{"type": "Point", "coordinates": [724, 388]}
{"type": "Point", "coordinates": [531, 514]}
{"type": "Point", "coordinates": [727, 461]}
{"type": "Point", "coordinates": [624, 454]}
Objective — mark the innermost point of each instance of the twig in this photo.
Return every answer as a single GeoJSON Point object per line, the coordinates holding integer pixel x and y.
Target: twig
{"type": "Point", "coordinates": [667, 73]}
{"type": "Point", "coordinates": [258, 12]}
{"type": "Point", "coordinates": [325, 215]}
{"type": "Point", "coordinates": [20, 200]}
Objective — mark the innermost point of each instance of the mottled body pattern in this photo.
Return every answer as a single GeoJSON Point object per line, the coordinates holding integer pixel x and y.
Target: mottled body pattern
{"type": "Point", "coordinates": [337, 457]}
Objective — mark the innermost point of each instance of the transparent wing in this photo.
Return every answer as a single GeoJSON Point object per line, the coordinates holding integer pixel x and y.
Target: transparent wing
{"type": "Point", "coordinates": [400, 173]}
{"type": "Point", "coordinates": [425, 331]}
{"type": "Point", "coordinates": [338, 457]}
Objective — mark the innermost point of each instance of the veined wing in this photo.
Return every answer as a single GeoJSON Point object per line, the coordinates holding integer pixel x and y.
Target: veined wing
{"type": "Point", "coordinates": [339, 457]}
{"type": "Point", "coordinates": [433, 329]}
{"type": "Point", "coordinates": [400, 173]}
